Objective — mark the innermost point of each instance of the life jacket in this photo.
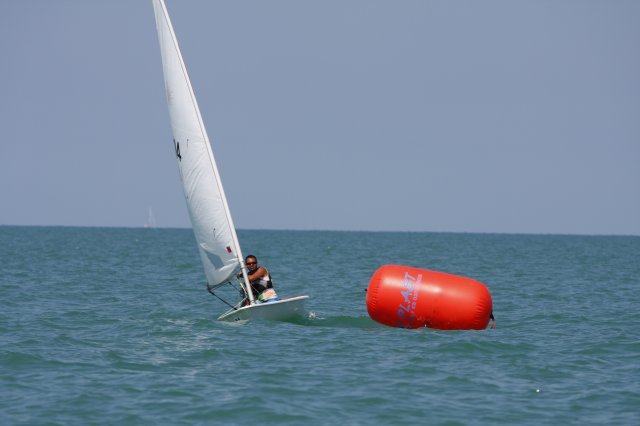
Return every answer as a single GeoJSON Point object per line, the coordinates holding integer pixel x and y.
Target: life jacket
{"type": "Point", "coordinates": [262, 288]}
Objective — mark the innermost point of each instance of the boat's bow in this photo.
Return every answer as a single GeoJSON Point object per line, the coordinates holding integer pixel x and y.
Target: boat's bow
{"type": "Point", "coordinates": [279, 310]}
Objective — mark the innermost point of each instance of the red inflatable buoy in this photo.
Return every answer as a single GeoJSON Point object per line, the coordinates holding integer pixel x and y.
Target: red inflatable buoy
{"type": "Point", "coordinates": [401, 296]}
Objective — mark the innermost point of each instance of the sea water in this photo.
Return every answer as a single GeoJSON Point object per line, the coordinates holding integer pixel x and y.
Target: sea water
{"type": "Point", "coordinates": [114, 326]}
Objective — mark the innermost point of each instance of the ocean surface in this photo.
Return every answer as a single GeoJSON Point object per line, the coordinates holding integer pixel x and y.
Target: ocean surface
{"type": "Point", "coordinates": [114, 326]}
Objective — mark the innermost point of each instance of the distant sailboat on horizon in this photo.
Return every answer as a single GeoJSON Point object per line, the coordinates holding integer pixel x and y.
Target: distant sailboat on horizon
{"type": "Point", "coordinates": [151, 219]}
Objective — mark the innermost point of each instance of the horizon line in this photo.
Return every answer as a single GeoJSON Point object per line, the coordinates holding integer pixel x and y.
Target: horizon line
{"type": "Point", "coordinates": [335, 230]}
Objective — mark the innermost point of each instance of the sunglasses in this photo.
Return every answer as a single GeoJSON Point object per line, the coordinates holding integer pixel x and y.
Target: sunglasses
{"type": "Point", "coordinates": [252, 263]}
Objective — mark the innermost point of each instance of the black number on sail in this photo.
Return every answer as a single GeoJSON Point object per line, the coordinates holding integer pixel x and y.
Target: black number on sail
{"type": "Point", "coordinates": [177, 147]}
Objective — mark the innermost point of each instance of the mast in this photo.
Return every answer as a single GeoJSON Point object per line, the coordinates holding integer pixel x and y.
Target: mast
{"type": "Point", "coordinates": [204, 235]}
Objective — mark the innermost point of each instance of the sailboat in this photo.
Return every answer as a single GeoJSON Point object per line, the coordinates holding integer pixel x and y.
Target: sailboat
{"type": "Point", "coordinates": [209, 212]}
{"type": "Point", "coordinates": [151, 219]}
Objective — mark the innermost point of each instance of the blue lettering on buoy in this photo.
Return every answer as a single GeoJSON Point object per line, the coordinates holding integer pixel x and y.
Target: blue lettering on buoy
{"type": "Point", "coordinates": [406, 309]}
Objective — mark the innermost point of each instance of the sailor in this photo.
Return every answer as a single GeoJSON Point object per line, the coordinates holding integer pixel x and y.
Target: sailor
{"type": "Point", "coordinates": [260, 280]}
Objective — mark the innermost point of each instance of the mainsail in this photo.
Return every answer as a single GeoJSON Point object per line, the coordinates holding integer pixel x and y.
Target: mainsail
{"type": "Point", "coordinates": [210, 217]}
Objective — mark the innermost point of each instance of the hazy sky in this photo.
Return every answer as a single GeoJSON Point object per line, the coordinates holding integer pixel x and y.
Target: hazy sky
{"type": "Point", "coordinates": [465, 116]}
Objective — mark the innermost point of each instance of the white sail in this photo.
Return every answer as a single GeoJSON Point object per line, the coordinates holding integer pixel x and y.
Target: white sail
{"type": "Point", "coordinates": [151, 219]}
{"type": "Point", "coordinates": [206, 201]}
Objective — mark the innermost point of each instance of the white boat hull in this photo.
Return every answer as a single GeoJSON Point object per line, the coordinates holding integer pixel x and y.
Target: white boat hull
{"type": "Point", "coordinates": [280, 310]}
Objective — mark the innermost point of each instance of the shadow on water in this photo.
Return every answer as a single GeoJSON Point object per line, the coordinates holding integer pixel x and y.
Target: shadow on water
{"type": "Point", "coordinates": [312, 320]}
{"type": "Point", "coordinates": [340, 321]}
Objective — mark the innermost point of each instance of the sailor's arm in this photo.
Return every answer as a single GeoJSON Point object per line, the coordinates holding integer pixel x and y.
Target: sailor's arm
{"type": "Point", "coordinates": [259, 273]}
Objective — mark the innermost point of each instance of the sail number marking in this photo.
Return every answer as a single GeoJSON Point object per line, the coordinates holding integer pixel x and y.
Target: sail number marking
{"type": "Point", "coordinates": [176, 145]}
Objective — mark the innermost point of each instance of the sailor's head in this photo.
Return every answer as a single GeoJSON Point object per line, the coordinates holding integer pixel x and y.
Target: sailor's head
{"type": "Point", "coordinates": [252, 262]}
